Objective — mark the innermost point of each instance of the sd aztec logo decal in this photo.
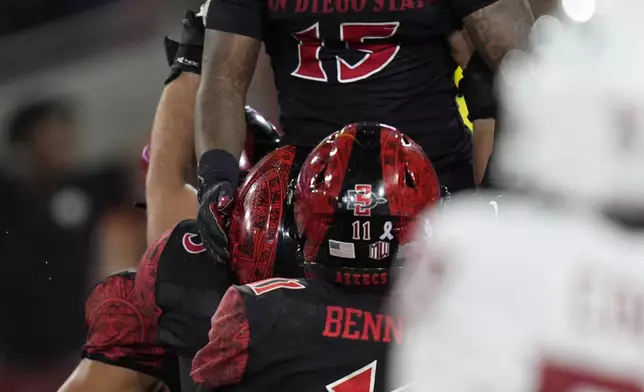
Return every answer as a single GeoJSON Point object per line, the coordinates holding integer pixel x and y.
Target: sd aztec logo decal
{"type": "Point", "coordinates": [361, 200]}
{"type": "Point", "coordinates": [192, 243]}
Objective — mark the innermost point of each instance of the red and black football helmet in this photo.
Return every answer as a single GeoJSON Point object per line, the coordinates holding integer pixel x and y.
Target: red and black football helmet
{"type": "Point", "coordinates": [262, 137]}
{"type": "Point", "coordinates": [262, 234]}
{"type": "Point", "coordinates": [357, 196]}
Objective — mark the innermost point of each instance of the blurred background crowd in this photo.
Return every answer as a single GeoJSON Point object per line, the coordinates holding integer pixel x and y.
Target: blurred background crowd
{"type": "Point", "coordinates": [79, 84]}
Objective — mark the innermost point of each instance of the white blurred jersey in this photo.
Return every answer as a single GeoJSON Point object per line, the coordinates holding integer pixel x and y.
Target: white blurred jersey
{"type": "Point", "coordinates": [533, 301]}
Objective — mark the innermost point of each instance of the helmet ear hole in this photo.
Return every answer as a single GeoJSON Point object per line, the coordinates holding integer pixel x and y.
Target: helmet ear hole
{"type": "Point", "coordinates": [409, 178]}
{"type": "Point", "coordinates": [319, 179]}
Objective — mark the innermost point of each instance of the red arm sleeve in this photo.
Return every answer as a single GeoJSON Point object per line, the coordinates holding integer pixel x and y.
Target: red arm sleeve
{"type": "Point", "coordinates": [122, 323]}
{"type": "Point", "coordinates": [223, 360]}
{"type": "Point", "coordinates": [146, 279]}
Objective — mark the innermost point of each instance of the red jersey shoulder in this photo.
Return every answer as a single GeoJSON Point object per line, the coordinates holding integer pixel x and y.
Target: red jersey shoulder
{"type": "Point", "coordinates": [146, 275]}
{"type": "Point", "coordinates": [224, 359]}
{"type": "Point", "coordinates": [272, 285]}
{"type": "Point", "coordinates": [118, 327]}
{"type": "Point", "coordinates": [122, 316]}
{"type": "Point", "coordinates": [116, 289]}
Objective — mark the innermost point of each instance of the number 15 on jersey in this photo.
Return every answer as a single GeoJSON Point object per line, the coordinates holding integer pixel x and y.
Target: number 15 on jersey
{"type": "Point", "coordinates": [376, 55]}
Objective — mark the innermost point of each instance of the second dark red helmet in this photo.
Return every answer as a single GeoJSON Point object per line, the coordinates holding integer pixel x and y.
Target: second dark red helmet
{"type": "Point", "coordinates": [357, 195]}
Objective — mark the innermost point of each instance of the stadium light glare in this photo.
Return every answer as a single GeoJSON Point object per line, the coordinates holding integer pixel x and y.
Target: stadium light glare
{"type": "Point", "coordinates": [579, 10]}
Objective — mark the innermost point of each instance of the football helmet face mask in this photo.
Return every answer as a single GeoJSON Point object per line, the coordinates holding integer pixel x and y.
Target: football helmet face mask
{"type": "Point", "coordinates": [357, 196]}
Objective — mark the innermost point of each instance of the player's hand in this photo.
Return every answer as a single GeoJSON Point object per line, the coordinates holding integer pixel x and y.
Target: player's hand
{"type": "Point", "coordinates": [218, 174]}
{"type": "Point", "coordinates": [186, 55]}
{"type": "Point", "coordinates": [216, 201]}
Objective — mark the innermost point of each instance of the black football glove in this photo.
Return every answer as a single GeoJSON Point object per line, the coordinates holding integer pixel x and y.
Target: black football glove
{"type": "Point", "coordinates": [185, 56]}
{"type": "Point", "coordinates": [218, 176]}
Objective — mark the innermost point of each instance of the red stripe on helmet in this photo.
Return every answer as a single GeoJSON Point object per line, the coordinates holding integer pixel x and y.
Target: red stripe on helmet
{"type": "Point", "coordinates": [410, 182]}
{"type": "Point", "coordinates": [319, 186]}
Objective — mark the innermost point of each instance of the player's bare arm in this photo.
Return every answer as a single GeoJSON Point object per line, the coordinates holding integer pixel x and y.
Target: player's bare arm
{"type": "Point", "coordinates": [229, 62]}
{"type": "Point", "coordinates": [461, 47]}
{"type": "Point", "coordinates": [483, 136]}
{"type": "Point", "coordinates": [494, 30]}
{"type": "Point", "coordinates": [100, 377]}
{"type": "Point", "coordinates": [171, 152]}
{"type": "Point", "coordinates": [498, 28]}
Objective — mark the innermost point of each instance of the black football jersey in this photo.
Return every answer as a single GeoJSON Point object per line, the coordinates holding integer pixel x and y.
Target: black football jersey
{"type": "Point", "coordinates": [182, 287]}
{"type": "Point", "coordinates": [297, 335]}
{"type": "Point", "coordinates": [342, 61]}
{"type": "Point", "coordinates": [187, 286]}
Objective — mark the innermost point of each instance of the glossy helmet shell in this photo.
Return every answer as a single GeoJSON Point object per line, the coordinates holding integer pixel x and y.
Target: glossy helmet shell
{"type": "Point", "coordinates": [357, 196]}
{"type": "Point", "coordinates": [262, 230]}
{"type": "Point", "coordinates": [262, 137]}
